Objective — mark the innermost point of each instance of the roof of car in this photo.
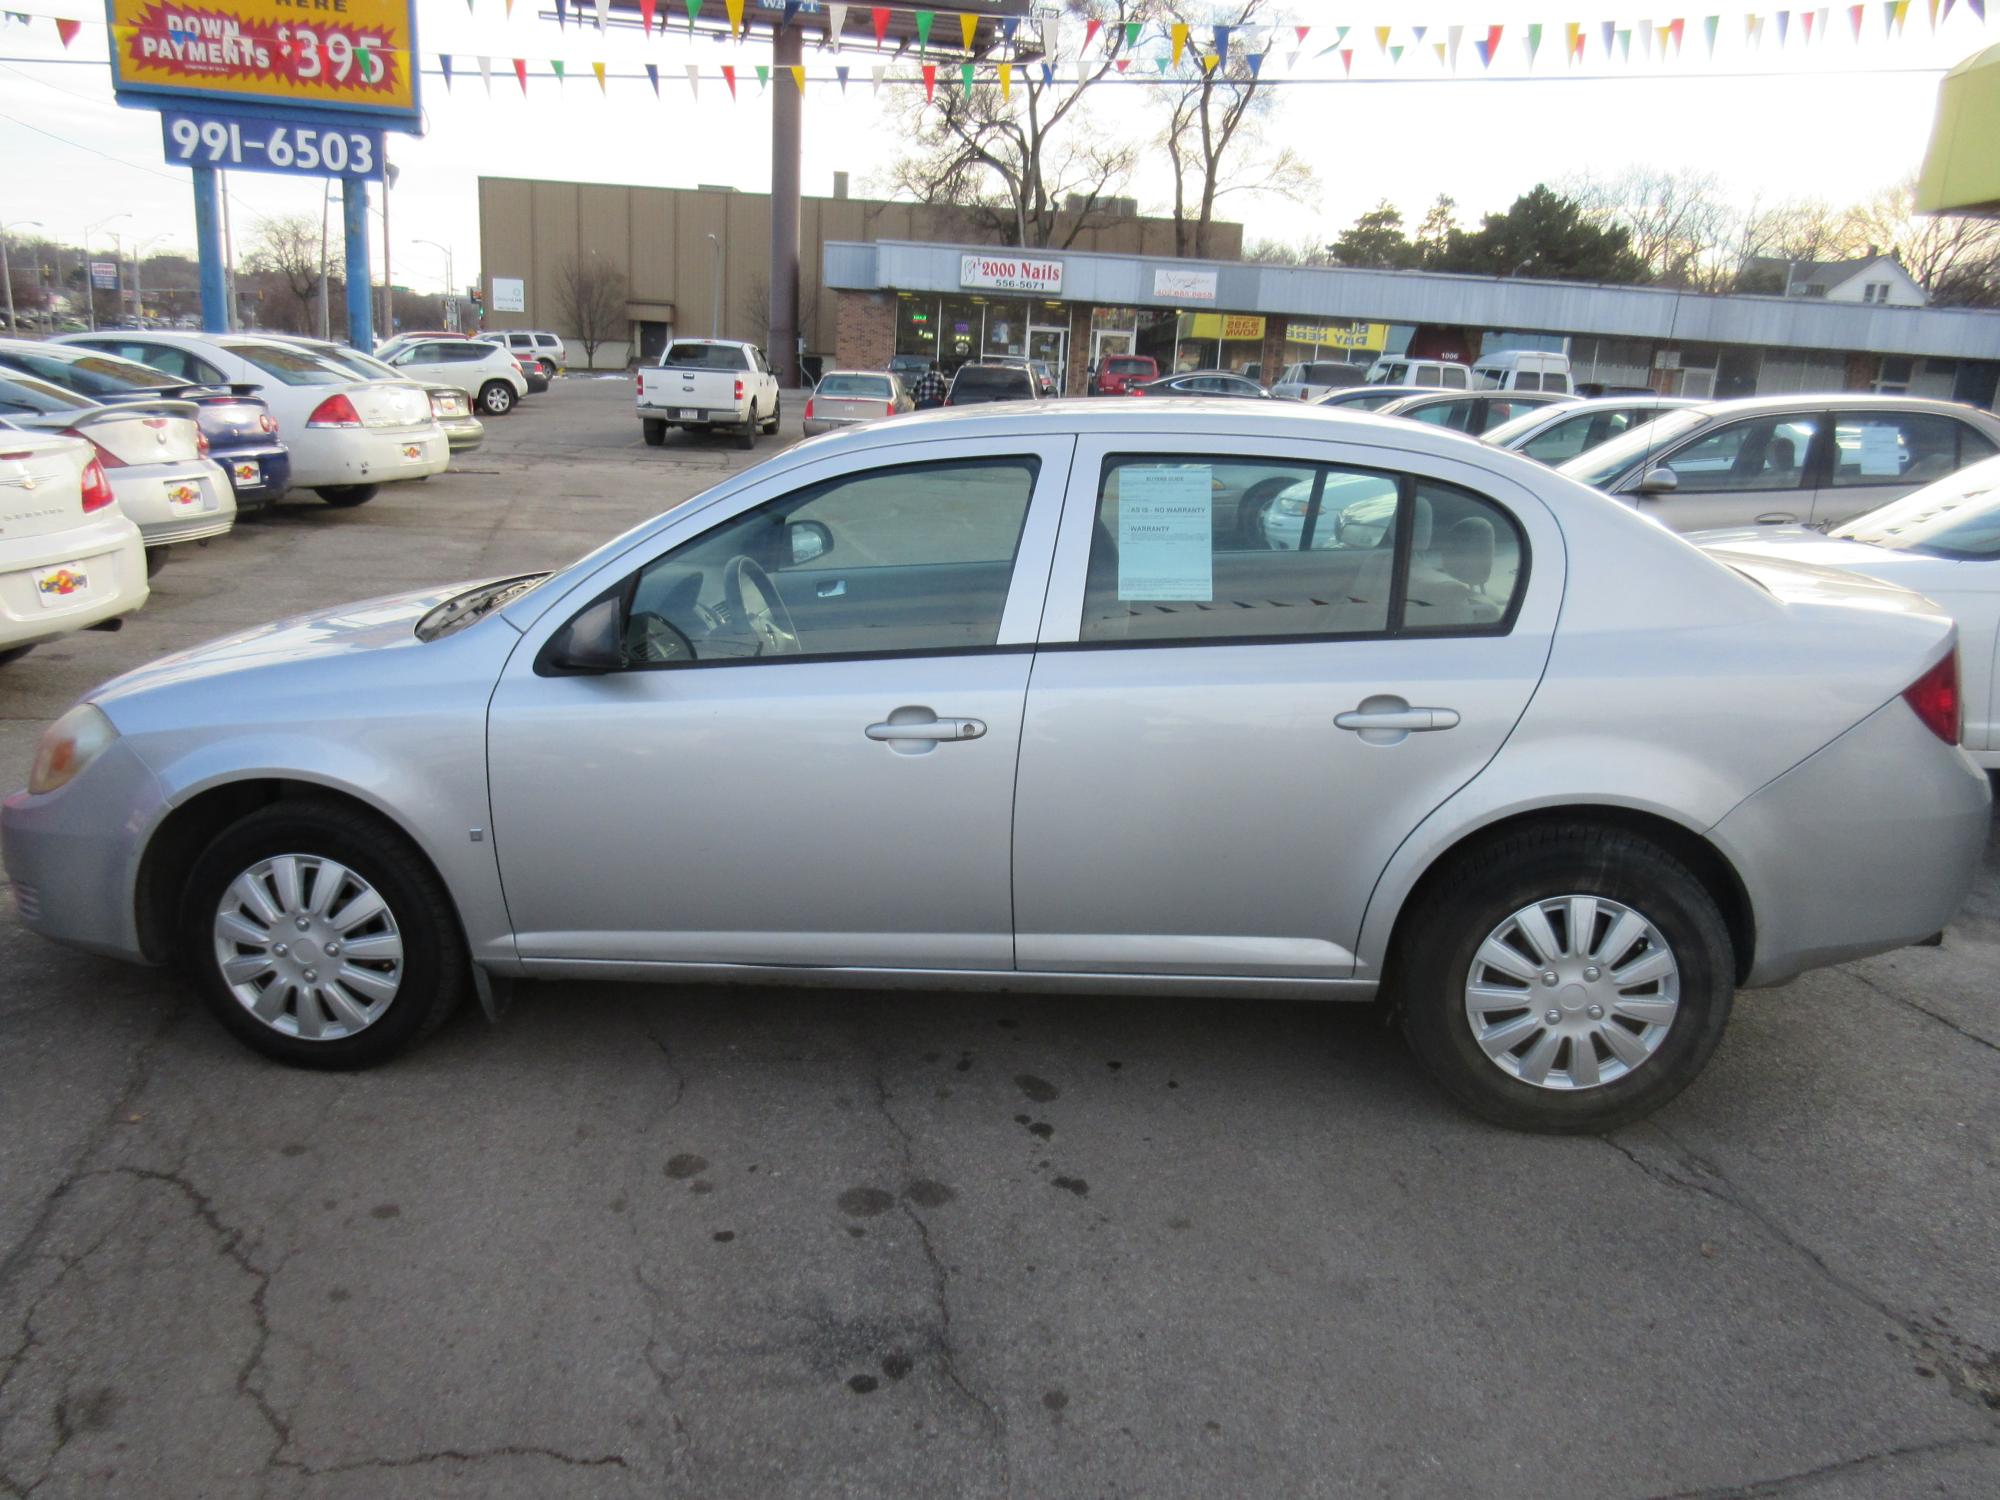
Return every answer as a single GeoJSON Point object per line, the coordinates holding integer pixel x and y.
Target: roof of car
{"type": "Point", "coordinates": [1434, 397]}
{"type": "Point", "coordinates": [1752, 406]}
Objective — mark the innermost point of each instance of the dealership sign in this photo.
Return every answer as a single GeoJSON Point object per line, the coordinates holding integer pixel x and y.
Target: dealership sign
{"type": "Point", "coordinates": [1360, 336]}
{"type": "Point", "coordinates": [1238, 326]}
{"type": "Point", "coordinates": [1184, 286]}
{"type": "Point", "coordinates": [1010, 273]}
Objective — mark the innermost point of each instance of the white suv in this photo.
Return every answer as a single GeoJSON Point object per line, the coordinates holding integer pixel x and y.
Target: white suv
{"type": "Point", "coordinates": [487, 374]}
{"type": "Point", "coordinates": [527, 344]}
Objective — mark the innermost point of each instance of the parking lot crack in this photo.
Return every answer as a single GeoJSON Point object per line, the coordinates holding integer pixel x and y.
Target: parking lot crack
{"type": "Point", "coordinates": [1804, 1478]}
{"type": "Point", "coordinates": [1890, 995]}
{"type": "Point", "coordinates": [466, 1456]}
{"type": "Point", "coordinates": [674, 1068]}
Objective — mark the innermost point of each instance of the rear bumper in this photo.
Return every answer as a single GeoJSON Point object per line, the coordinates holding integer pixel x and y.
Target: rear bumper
{"type": "Point", "coordinates": [258, 475]}
{"type": "Point", "coordinates": [110, 555]}
{"type": "Point", "coordinates": [1868, 845]}
{"type": "Point", "coordinates": [696, 416]}
{"type": "Point", "coordinates": [463, 434]}
{"type": "Point", "coordinates": [368, 455]}
{"type": "Point", "coordinates": [176, 503]}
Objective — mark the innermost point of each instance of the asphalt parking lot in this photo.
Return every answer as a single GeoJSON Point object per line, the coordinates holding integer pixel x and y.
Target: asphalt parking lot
{"type": "Point", "coordinates": [762, 1243]}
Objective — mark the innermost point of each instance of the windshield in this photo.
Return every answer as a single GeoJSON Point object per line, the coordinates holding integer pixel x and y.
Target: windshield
{"type": "Point", "coordinates": [876, 387]}
{"type": "Point", "coordinates": [23, 394]}
{"type": "Point", "coordinates": [460, 610]}
{"type": "Point", "coordinates": [1604, 463]}
{"type": "Point", "coordinates": [365, 365]}
{"type": "Point", "coordinates": [292, 366]}
{"type": "Point", "coordinates": [1957, 517]}
{"type": "Point", "coordinates": [92, 374]}
{"type": "Point", "coordinates": [706, 357]}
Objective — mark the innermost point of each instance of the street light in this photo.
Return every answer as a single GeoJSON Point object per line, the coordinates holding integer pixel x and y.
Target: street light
{"type": "Point", "coordinates": [450, 283]}
{"type": "Point", "coordinates": [139, 275]}
{"type": "Point", "coordinates": [715, 291]}
{"type": "Point", "coordinates": [7, 274]}
{"type": "Point", "coordinates": [89, 279]}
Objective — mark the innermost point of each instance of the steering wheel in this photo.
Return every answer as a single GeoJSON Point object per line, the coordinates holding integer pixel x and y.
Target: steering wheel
{"type": "Point", "coordinates": [769, 621]}
{"type": "Point", "coordinates": [655, 638]}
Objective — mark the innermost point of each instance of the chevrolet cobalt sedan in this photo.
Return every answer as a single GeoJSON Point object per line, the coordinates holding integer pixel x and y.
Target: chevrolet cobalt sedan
{"type": "Point", "coordinates": [993, 698]}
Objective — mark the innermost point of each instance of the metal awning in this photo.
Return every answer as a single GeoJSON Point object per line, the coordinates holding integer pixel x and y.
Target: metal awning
{"type": "Point", "coordinates": [1962, 164]}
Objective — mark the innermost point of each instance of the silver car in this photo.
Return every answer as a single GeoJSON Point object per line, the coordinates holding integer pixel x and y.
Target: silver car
{"type": "Point", "coordinates": [991, 698]}
{"type": "Point", "coordinates": [1813, 460]}
{"type": "Point", "coordinates": [1556, 434]}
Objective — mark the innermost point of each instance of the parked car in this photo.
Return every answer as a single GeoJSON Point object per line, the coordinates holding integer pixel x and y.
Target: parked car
{"type": "Point", "coordinates": [1942, 542]}
{"type": "Point", "coordinates": [491, 377]}
{"type": "Point", "coordinates": [151, 451]}
{"type": "Point", "coordinates": [1313, 378]}
{"type": "Point", "coordinates": [1116, 374]}
{"type": "Point", "coordinates": [348, 436]}
{"type": "Point", "coordinates": [534, 372]}
{"type": "Point", "coordinates": [1522, 370]}
{"type": "Point", "coordinates": [1370, 397]}
{"type": "Point", "coordinates": [70, 559]}
{"type": "Point", "coordinates": [384, 348]}
{"type": "Point", "coordinates": [1045, 378]}
{"type": "Point", "coordinates": [845, 397]}
{"type": "Point", "coordinates": [1202, 383]}
{"type": "Point", "coordinates": [237, 426]}
{"type": "Point", "coordinates": [1591, 779]}
{"type": "Point", "coordinates": [708, 384]}
{"type": "Point", "coordinates": [534, 346]}
{"type": "Point", "coordinates": [1471, 413]}
{"type": "Point", "coordinates": [1434, 374]}
{"type": "Point", "coordinates": [1818, 459]}
{"type": "Point", "coordinates": [1556, 433]}
{"type": "Point", "coordinates": [450, 406]}
{"type": "Point", "coordinates": [907, 367]}
{"type": "Point", "coordinates": [976, 384]}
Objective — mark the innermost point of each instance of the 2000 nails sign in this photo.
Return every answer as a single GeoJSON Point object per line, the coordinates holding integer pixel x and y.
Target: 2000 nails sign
{"type": "Point", "coordinates": [343, 54]}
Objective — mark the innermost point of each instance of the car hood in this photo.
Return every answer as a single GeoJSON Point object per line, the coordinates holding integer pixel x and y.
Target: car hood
{"type": "Point", "coordinates": [380, 624]}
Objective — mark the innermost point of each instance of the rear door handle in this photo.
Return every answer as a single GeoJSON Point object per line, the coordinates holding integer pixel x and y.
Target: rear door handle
{"type": "Point", "coordinates": [831, 589]}
{"type": "Point", "coordinates": [1776, 518]}
{"type": "Point", "coordinates": [1397, 720]}
{"type": "Point", "coordinates": [919, 729]}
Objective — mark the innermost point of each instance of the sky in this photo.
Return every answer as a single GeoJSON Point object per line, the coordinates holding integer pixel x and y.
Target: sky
{"type": "Point", "coordinates": [1835, 118]}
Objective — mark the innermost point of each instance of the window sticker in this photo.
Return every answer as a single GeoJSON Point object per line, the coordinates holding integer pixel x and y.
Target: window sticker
{"type": "Point", "coordinates": [1881, 453]}
{"type": "Point", "coordinates": [1165, 534]}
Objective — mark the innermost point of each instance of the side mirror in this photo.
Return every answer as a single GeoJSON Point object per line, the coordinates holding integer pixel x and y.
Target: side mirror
{"type": "Point", "coordinates": [1658, 480]}
{"type": "Point", "coordinates": [592, 643]}
{"type": "Point", "coordinates": [810, 540]}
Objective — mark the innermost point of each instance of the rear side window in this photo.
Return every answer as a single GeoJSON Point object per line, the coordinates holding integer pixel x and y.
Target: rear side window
{"type": "Point", "coordinates": [706, 357]}
{"type": "Point", "coordinates": [1457, 415]}
{"type": "Point", "coordinates": [1899, 447]}
{"type": "Point", "coordinates": [1208, 552]}
{"type": "Point", "coordinates": [1527, 380]}
{"type": "Point", "coordinates": [89, 374]}
{"type": "Point", "coordinates": [291, 366]}
{"type": "Point", "coordinates": [1454, 378]}
{"type": "Point", "coordinates": [23, 394]}
{"type": "Point", "coordinates": [172, 361]}
{"type": "Point", "coordinates": [547, 340]}
{"type": "Point", "coordinates": [1555, 382]}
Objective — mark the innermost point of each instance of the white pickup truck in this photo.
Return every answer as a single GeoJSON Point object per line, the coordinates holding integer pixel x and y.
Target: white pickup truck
{"type": "Point", "coordinates": [704, 384]}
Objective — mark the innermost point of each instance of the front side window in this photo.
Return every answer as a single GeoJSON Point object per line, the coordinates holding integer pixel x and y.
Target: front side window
{"type": "Point", "coordinates": [1209, 552]}
{"type": "Point", "coordinates": [1898, 447]}
{"type": "Point", "coordinates": [1454, 378]}
{"type": "Point", "coordinates": [1764, 453]}
{"type": "Point", "coordinates": [1527, 380]}
{"type": "Point", "coordinates": [916, 558]}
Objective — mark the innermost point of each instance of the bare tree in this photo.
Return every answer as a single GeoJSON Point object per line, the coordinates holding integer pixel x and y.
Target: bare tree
{"type": "Point", "coordinates": [1954, 258]}
{"type": "Point", "coordinates": [590, 299]}
{"type": "Point", "coordinates": [1214, 134]}
{"type": "Point", "coordinates": [1681, 222]}
{"type": "Point", "coordinates": [286, 251]}
{"type": "Point", "coordinates": [1028, 168]}
{"type": "Point", "coordinates": [753, 305]}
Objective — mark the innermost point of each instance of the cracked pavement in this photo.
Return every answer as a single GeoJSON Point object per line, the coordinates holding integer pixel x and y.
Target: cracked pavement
{"type": "Point", "coordinates": [768, 1243]}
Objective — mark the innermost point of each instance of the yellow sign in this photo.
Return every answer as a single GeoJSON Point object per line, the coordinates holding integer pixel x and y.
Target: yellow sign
{"type": "Point", "coordinates": [348, 55]}
{"type": "Point", "coordinates": [1339, 335]}
{"type": "Point", "coordinates": [1226, 326]}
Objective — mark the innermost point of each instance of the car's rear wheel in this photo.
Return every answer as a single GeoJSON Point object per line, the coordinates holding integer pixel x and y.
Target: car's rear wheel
{"type": "Point", "coordinates": [156, 559]}
{"type": "Point", "coordinates": [655, 430]}
{"type": "Point", "coordinates": [14, 653]}
{"type": "Point", "coordinates": [497, 397]}
{"type": "Point", "coordinates": [1566, 978]}
{"type": "Point", "coordinates": [320, 937]}
{"type": "Point", "coordinates": [344, 495]}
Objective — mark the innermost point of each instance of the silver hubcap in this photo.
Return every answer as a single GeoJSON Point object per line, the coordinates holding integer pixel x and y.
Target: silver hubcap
{"type": "Point", "coordinates": [308, 947]}
{"type": "Point", "coordinates": [1572, 993]}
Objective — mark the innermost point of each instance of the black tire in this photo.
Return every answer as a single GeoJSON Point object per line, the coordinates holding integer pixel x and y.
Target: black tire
{"type": "Point", "coordinates": [497, 398]}
{"type": "Point", "coordinates": [777, 412]}
{"type": "Point", "coordinates": [14, 653]}
{"type": "Point", "coordinates": [156, 559]}
{"type": "Point", "coordinates": [1482, 888]}
{"type": "Point", "coordinates": [344, 495]}
{"type": "Point", "coordinates": [746, 435]}
{"type": "Point", "coordinates": [655, 430]}
{"type": "Point", "coordinates": [434, 973]}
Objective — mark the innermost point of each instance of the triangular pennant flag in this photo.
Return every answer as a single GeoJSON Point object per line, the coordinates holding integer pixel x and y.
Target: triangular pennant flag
{"type": "Point", "coordinates": [1902, 14]}
{"type": "Point", "coordinates": [646, 8]}
{"type": "Point", "coordinates": [1255, 61]}
{"type": "Point", "coordinates": [1455, 34]}
{"type": "Point", "coordinates": [1395, 52]}
{"type": "Point", "coordinates": [444, 62]}
{"type": "Point", "coordinates": [792, 9]}
{"type": "Point", "coordinates": [968, 27]}
{"type": "Point", "coordinates": [1854, 17]}
{"type": "Point", "coordinates": [1645, 31]}
{"type": "Point", "coordinates": [1179, 35]}
{"type": "Point", "coordinates": [67, 30]}
{"type": "Point", "coordinates": [510, 9]}
{"type": "Point", "coordinates": [1479, 46]}
{"type": "Point", "coordinates": [1347, 61]}
{"type": "Point", "coordinates": [798, 76]}
{"type": "Point", "coordinates": [1418, 32]}
{"type": "Point", "coordinates": [1339, 36]}
{"type": "Point", "coordinates": [1051, 35]}
{"type": "Point", "coordinates": [1666, 37]}
{"type": "Point", "coordinates": [1302, 30]}
{"type": "Point", "coordinates": [879, 14]}
{"type": "Point", "coordinates": [1624, 44]}
{"type": "Point", "coordinates": [965, 77]}
{"type": "Point", "coordinates": [925, 20]}
{"type": "Point", "coordinates": [1534, 42]}
{"type": "Point", "coordinates": [1161, 63]}
{"type": "Point", "coordinates": [729, 77]}
{"type": "Point", "coordinates": [1222, 46]}
{"type": "Point", "coordinates": [1493, 42]}
{"type": "Point", "coordinates": [1382, 38]}
{"type": "Point", "coordinates": [1048, 75]}
{"type": "Point", "coordinates": [1572, 37]}
{"type": "Point", "coordinates": [763, 76]}
{"type": "Point", "coordinates": [486, 74]}
{"type": "Point", "coordinates": [1132, 30]}
{"type": "Point", "coordinates": [735, 10]}
{"type": "Point", "coordinates": [1978, 8]}
{"type": "Point", "coordinates": [560, 15]}
{"type": "Point", "coordinates": [521, 72]}
{"type": "Point", "coordinates": [1784, 25]}
{"type": "Point", "coordinates": [1750, 24]}
{"type": "Point", "coordinates": [836, 18]}
{"type": "Point", "coordinates": [694, 12]}
{"type": "Point", "coordinates": [653, 77]}
{"type": "Point", "coordinates": [1438, 47]}
{"type": "Point", "coordinates": [470, 6]}
{"type": "Point", "coordinates": [1678, 29]}
{"type": "Point", "coordinates": [1708, 26]}
{"type": "Point", "coordinates": [1609, 31]}
{"type": "Point", "coordinates": [694, 78]}
{"type": "Point", "coordinates": [1090, 30]}
{"type": "Point", "coordinates": [1006, 80]}
{"type": "Point", "coordinates": [1208, 62]}
{"type": "Point", "coordinates": [598, 69]}
{"type": "Point", "coordinates": [556, 64]}
{"type": "Point", "coordinates": [1292, 58]}
{"type": "Point", "coordinates": [1008, 27]}
{"type": "Point", "coordinates": [1934, 11]}
{"type": "Point", "coordinates": [597, 6]}
{"type": "Point", "coordinates": [878, 72]}
{"type": "Point", "coordinates": [840, 72]}
{"type": "Point", "coordinates": [930, 81]}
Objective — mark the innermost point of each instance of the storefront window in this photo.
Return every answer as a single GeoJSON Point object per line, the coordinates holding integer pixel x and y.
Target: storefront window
{"type": "Point", "coordinates": [1006, 327]}
{"type": "Point", "coordinates": [917, 325]}
{"type": "Point", "coordinates": [959, 332]}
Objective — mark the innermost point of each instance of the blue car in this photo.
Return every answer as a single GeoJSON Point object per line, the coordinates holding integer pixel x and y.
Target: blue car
{"type": "Point", "coordinates": [238, 428]}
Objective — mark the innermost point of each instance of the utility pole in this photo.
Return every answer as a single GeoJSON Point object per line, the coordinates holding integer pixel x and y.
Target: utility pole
{"type": "Point", "coordinates": [389, 176]}
{"type": "Point", "coordinates": [7, 273]}
{"type": "Point", "coordinates": [228, 254]}
{"type": "Point", "coordinates": [715, 291]}
{"type": "Point", "coordinates": [325, 206]}
{"type": "Point", "coordinates": [89, 271]}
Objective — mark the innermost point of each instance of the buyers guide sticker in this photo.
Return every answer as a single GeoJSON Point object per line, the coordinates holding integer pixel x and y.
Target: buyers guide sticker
{"type": "Point", "coordinates": [1166, 543]}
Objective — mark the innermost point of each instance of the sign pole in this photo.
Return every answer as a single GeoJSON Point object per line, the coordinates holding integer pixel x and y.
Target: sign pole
{"type": "Point", "coordinates": [360, 292]}
{"type": "Point", "coordinates": [208, 251]}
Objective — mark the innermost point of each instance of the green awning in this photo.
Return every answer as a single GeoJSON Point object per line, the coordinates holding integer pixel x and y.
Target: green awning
{"type": "Point", "coordinates": [1962, 165]}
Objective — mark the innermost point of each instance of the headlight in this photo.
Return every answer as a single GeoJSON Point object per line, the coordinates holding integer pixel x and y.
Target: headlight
{"type": "Point", "coordinates": [68, 745]}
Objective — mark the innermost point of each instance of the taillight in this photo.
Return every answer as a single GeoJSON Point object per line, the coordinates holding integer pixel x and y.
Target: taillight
{"type": "Point", "coordinates": [96, 487]}
{"type": "Point", "coordinates": [269, 423]}
{"type": "Point", "coordinates": [105, 456]}
{"type": "Point", "coordinates": [739, 390]}
{"type": "Point", "coordinates": [334, 411]}
{"type": "Point", "coordinates": [1934, 697]}
{"type": "Point", "coordinates": [809, 409]}
{"type": "Point", "coordinates": [200, 444]}
{"type": "Point", "coordinates": [888, 408]}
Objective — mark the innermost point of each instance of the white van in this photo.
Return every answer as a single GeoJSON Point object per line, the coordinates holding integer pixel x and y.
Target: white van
{"type": "Point", "coordinates": [1523, 370]}
{"type": "Point", "coordinates": [1399, 369]}
{"type": "Point", "coordinates": [1313, 378]}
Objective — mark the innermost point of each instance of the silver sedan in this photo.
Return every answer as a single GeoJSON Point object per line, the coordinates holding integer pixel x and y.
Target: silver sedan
{"type": "Point", "coordinates": [1015, 698]}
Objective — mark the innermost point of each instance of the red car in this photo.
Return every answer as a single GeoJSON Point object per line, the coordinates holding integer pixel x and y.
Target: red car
{"type": "Point", "coordinates": [1117, 374]}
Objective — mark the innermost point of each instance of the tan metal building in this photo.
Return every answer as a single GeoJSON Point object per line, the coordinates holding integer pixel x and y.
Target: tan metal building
{"type": "Point", "coordinates": [680, 281]}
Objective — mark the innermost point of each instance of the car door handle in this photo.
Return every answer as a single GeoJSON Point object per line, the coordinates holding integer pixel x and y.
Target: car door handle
{"type": "Point", "coordinates": [1776, 518]}
{"type": "Point", "coordinates": [1397, 720]}
{"type": "Point", "coordinates": [831, 589]}
{"type": "Point", "coordinates": [929, 729]}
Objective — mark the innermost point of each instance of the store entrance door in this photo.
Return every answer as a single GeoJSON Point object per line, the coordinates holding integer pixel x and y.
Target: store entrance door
{"type": "Point", "coordinates": [1051, 346]}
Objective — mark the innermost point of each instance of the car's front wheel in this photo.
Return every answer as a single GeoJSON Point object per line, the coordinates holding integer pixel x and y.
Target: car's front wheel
{"type": "Point", "coordinates": [344, 495]}
{"type": "Point", "coordinates": [320, 937]}
{"type": "Point", "coordinates": [746, 435]}
{"type": "Point", "coordinates": [497, 397]}
{"type": "Point", "coordinates": [771, 422]}
{"type": "Point", "coordinates": [1565, 978]}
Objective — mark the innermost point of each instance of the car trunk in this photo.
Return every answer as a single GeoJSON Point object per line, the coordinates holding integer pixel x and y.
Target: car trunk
{"type": "Point", "coordinates": [390, 404]}
{"type": "Point", "coordinates": [851, 406]}
{"type": "Point", "coordinates": [40, 490]}
{"type": "Point", "coordinates": [149, 432]}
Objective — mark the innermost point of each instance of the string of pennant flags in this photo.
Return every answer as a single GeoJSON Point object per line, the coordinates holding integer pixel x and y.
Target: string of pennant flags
{"type": "Point", "coordinates": [997, 54]}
